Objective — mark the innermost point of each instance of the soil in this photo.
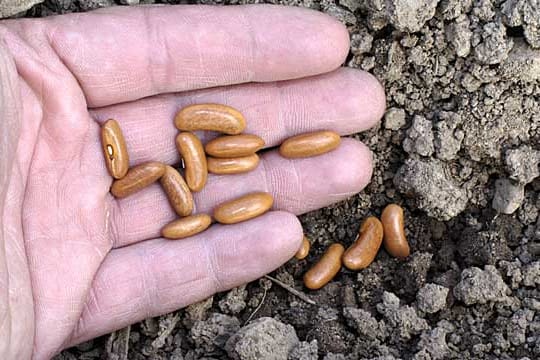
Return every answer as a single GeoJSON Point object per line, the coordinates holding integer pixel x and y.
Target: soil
{"type": "Point", "coordinates": [458, 148]}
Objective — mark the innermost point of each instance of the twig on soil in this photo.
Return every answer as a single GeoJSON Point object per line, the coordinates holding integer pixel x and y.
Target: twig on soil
{"type": "Point", "coordinates": [292, 290]}
{"type": "Point", "coordinates": [257, 308]}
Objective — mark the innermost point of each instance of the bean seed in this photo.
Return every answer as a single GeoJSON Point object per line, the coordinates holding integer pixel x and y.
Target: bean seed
{"type": "Point", "coordinates": [187, 226]}
{"type": "Point", "coordinates": [362, 253]}
{"type": "Point", "coordinates": [303, 252]}
{"type": "Point", "coordinates": [213, 117]}
{"type": "Point", "coordinates": [192, 152]}
{"type": "Point", "coordinates": [310, 144]}
{"type": "Point", "coordinates": [234, 146]}
{"type": "Point", "coordinates": [326, 269]}
{"type": "Point", "coordinates": [243, 208]}
{"type": "Point", "coordinates": [395, 241]}
{"type": "Point", "coordinates": [137, 178]}
{"type": "Point", "coordinates": [177, 191]}
{"type": "Point", "coordinates": [222, 166]}
{"type": "Point", "coordinates": [114, 149]}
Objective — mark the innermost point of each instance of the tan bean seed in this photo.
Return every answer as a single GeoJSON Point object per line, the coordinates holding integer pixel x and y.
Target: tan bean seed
{"type": "Point", "coordinates": [214, 117]}
{"type": "Point", "coordinates": [326, 269]}
{"type": "Point", "coordinates": [395, 241]}
{"type": "Point", "coordinates": [362, 253]}
{"type": "Point", "coordinates": [237, 165]}
{"type": "Point", "coordinates": [114, 149]}
{"type": "Point", "coordinates": [243, 208]}
{"type": "Point", "coordinates": [303, 252]}
{"type": "Point", "coordinates": [177, 191]}
{"type": "Point", "coordinates": [191, 149]}
{"type": "Point", "coordinates": [137, 178]}
{"type": "Point", "coordinates": [234, 146]}
{"type": "Point", "coordinates": [311, 144]}
{"type": "Point", "coordinates": [187, 226]}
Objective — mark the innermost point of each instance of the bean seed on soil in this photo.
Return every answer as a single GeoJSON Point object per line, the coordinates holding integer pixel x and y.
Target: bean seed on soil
{"type": "Point", "coordinates": [395, 240]}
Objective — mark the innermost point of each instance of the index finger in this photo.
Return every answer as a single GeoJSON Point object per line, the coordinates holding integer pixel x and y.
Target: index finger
{"type": "Point", "coordinates": [120, 54]}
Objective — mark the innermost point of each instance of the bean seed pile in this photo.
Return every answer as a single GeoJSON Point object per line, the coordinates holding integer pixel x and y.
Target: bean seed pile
{"type": "Point", "coordinates": [233, 153]}
{"type": "Point", "coordinates": [389, 231]}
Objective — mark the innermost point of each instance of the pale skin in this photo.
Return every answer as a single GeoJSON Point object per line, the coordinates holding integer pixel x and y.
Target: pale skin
{"type": "Point", "coordinates": [75, 263]}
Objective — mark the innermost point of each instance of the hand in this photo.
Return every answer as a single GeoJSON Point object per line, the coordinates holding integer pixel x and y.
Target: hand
{"type": "Point", "coordinates": [76, 263]}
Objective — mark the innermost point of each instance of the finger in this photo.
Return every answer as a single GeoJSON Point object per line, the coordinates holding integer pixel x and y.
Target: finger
{"type": "Point", "coordinates": [120, 55]}
{"type": "Point", "coordinates": [298, 186]}
{"type": "Point", "coordinates": [159, 276]}
{"type": "Point", "coordinates": [346, 101]}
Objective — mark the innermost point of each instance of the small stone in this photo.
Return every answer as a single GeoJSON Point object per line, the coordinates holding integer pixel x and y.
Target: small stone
{"type": "Point", "coordinates": [508, 196]}
{"type": "Point", "coordinates": [481, 286]}
{"type": "Point", "coordinates": [394, 119]}
{"type": "Point", "coordinates": [264, 338]}
{"type": "Point", "coordinates": [432, 298]}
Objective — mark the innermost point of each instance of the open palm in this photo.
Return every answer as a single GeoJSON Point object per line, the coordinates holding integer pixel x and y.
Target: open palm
{"type": "Point", "coordinates": [76, 263]}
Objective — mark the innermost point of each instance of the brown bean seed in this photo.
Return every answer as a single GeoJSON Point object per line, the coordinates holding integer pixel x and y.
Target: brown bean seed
{"type": "Point", "coordinates": [114, 149]}
{"type": "Point", "coordinates": [310, 144]}
{"type": "Point", "coordinates": [243, 208]}
{"type": "Point", "coordinates": [234, 146]}
{"type": "Point", "coordinates": [187, 226]}
{"type": "Point", "coordinates": [177, 191]}
{"type": "Point", "coordinates": [326, 269]}
{"type": "Point", "coordinates": [237, 165]}
{"type": "Point", "coordinates": [395, 241]}
{"type": "Point", "coordinates": [137, 178]}
{"type": "Point", "coordinates": [191, 149]}
{"type": "Point", "coordinates": [214, 117]}
{"type": "Point", "coordinates": [303, 252]}
{"type": "Point", "coordinates": [362, 253]}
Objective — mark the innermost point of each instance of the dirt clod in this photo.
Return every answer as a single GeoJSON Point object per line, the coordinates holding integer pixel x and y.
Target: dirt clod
{"type": "Point", "coordinates": [481, 286]}
{"type": "Point", "coordinates": [264, 338]}
{"type": "Point", "coordinates": [432, 298]}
